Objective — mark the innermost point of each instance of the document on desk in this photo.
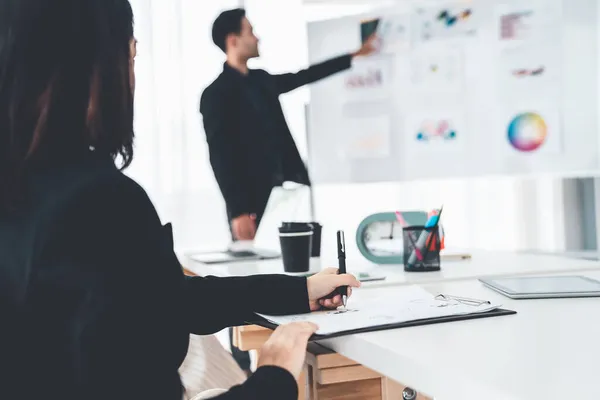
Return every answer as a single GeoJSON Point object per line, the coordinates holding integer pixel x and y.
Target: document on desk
{"type": "Point", "coordinates": [384, 306]}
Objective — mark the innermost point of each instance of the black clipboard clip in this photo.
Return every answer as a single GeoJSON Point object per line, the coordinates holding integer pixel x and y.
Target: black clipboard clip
{"type": "Point", "coordinates": [462, 300]}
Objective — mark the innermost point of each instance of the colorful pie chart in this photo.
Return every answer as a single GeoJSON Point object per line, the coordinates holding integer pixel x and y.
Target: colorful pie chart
{"type": "Point", "coordinates": [527, 132]}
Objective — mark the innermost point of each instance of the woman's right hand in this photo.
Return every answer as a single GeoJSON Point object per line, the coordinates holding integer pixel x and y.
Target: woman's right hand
{"type": "Point", "coordinates": [286, 348]}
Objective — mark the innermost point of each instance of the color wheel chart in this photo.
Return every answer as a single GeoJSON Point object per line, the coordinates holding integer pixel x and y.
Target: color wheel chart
{"type": "Point", "coordinates": [527, 132]}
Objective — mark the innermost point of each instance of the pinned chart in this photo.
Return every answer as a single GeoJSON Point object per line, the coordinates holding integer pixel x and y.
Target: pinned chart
{"type": "Point", "coordinates": [442, 23]}
{"type": "Point", "coordinates": [436, 130]}
{"type": "Point", "coordinates": [529, 71]}
{"type": "Point", "coordinates": [441, 70]}
{"type": "Point", "coordinates": [368, 137]}
{"type": "Point", "coordinates": [516, 25]}
{"type": "Point", "coordinates": [527, 132]}
{"type": "Point", "coordinates": [533, 129]}
{"type": "Point", "coordinates": [368, 80]}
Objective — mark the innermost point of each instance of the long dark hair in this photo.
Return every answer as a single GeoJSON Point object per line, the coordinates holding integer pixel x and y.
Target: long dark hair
{"type": "Point", "coordinates": [64, 85]}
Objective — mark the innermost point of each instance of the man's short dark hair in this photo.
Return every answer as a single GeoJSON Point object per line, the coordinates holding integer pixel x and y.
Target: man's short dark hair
{"type": "Point", "coordinates": [227, 22]}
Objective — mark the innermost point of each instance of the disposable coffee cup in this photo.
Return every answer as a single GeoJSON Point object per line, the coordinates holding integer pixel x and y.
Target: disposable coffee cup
{"type": "Point", "coordinates": [296, 247]}
{"type": "Point", "coordinates": [316, 238]}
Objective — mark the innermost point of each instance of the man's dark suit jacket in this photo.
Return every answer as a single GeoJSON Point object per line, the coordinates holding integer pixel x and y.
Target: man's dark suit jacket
{"type": "Point", "coordinates": [251, 147]}
{"type": "Point", "coordinates": [93, 301]}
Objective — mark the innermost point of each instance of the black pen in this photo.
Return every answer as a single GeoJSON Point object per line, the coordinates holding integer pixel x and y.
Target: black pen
{"type": "Point", "coordinates": [341, 246]}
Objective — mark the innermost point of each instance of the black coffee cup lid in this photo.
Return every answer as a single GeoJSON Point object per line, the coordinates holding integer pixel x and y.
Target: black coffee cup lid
{"type": "Point", "coordinates": [295, 227]}
{"type": "Point", "coordinates": [296, 223]}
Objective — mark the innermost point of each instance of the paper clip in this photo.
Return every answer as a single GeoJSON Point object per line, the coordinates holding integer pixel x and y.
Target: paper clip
{"type": "Point", "coordinates": [462, 300]}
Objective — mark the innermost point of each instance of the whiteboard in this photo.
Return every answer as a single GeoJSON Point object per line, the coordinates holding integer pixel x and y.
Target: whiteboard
{"type": "Point", "coordinates": [458, 89]}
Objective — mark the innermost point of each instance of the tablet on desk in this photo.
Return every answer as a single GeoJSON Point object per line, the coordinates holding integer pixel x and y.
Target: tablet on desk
{"type": "Point", "coordinates": [540, 287]}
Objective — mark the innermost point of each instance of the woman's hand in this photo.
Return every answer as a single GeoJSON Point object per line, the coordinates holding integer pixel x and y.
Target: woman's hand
{"type": "Point", "coordinates": [286, 348]}
{"type": "Point", "coordinates": [321, 288]}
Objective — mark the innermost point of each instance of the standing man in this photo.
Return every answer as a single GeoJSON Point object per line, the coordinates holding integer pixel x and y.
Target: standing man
{"type": "Point", "coordinates": [250, 145]}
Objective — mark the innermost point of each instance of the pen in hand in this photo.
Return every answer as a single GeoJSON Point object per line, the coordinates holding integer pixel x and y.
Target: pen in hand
{"type": "Point", "coordinates": [341, 247]}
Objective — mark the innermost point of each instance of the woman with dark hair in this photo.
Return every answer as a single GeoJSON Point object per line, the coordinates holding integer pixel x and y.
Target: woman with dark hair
{"type": "Point", "coordinates": [78, 319]}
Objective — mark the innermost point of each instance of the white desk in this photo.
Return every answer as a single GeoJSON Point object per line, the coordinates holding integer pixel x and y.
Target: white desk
{"type": "Point", "coordinates": [584, 254]}
{"type": "Point", "coordinates": [482, 264]}
{"type": "Point", "coordinates": [551, 347]}
{"type": "Point", "coordinates": [549, 350]}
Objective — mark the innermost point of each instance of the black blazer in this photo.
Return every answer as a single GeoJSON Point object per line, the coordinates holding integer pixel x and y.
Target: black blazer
{"type": "Point", "coordinates": [246, 168]}
{"type": "Point", "coordinates": [93, 301]}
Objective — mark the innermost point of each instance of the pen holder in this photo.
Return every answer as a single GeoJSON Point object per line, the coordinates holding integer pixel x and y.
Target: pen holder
{"type": "Point", "coordinates": [421, 248]}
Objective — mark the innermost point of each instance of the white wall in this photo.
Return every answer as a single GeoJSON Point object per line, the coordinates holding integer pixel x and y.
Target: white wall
{"type": "Point", "coordinates": [176, 61]}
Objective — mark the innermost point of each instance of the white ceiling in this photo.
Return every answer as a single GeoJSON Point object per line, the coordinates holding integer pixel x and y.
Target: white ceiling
{"type": "Point", "coordinates": [351, 2]}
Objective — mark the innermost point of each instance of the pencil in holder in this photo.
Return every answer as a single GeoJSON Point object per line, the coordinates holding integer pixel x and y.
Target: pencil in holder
{"type": "Point", "coordinates": [421, 248]}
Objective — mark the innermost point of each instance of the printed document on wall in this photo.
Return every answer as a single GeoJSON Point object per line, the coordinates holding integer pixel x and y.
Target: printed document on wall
{"type": "Point", "coordinates": [366, 136]}
{"type": "Point", "coordinates": [369, 79]}
{"type": "Point", "coordinates": [441, 69]}
{"type": "Point", "coordinates": [530, 71]}
{"type": "Point", "coordinates": [457, 20]}
{"type": "Point", "coordinates": [435, 131]}
{"type": "Point", "coordinates": [528, 21]}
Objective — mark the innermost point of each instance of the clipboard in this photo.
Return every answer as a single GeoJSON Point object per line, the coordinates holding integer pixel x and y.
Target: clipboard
{"type": "Point", "coordinates": [498, 312]}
